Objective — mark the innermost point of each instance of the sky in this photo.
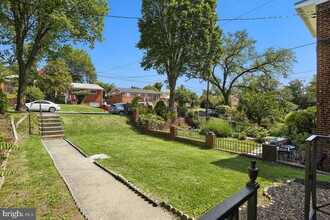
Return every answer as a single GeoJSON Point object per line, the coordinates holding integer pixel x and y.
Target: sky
{"type": "Point", "coordinates": [117, 60]}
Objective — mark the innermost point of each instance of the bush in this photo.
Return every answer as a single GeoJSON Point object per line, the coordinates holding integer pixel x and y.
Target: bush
{"type": "Point", "coordinates": [156, 122]}
{"type": "Point", "coordinates": [224, 111]}
{"type": "Point", "coordinates": [3, 102]}
{"type": "Point", "coordinates": [220, 127]}
{"type": "Point", "coordinates": [34, 93]}
{"type": "Point", "coordinates": [182, 111]}
{"type": "Point", "coordinates": [254, 131]}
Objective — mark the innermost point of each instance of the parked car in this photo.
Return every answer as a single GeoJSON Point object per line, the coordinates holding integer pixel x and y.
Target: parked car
{"type": "Point", "coordinates": [118, 108]}
{"type": "Point", "coordinates": [44, 104]}
{"type": "Point", "coordinates": [210, 112]}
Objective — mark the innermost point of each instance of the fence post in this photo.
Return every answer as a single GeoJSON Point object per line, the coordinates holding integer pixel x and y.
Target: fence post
{"type": "Point", "coordinates": [269, 152]}
{"type": "Point", "coordinates": [173, 131]}
{"type": "Point", "coordinates": [210, 140]}
{"type": "Point", "coordinates": [252, 202]}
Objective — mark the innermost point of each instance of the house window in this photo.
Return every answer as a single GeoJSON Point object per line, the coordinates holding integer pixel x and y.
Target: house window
{"type": "Point", "coordinates": [154, 98]}
{"type": "Point", "coordinates": [92, 92]}
{"type": "Point", "coordinates": [127, 94]}
{"type": "Point", "coordinates": [139, 94]}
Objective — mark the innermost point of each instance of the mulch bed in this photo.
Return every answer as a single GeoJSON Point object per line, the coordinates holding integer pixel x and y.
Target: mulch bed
{"type": "Point", "coordinates": [287, 201]}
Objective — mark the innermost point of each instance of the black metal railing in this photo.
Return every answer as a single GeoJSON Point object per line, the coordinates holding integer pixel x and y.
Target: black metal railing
{"type": "Point", "coordinates": [229, 208]}
{"type": "Point", "coordinates": [311, 163]}
{"type": "Point", "coordinates": [239, 146]}
{"type": "Point", "coordinates": [191, 134]}
{"type": "Point", "coordinates": [287, 155]}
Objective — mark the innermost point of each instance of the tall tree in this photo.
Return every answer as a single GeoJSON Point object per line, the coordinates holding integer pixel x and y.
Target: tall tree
{"type": "Point", "coordinates": [45, 25]}
{"type": "Point", "coordinates": [184, 96]}
{"type": "Point", "coordinates": [260, 106]}
{"type": "Point", "coordinates": [298, 91]}
{"type": "Point", "coordinates": [107, 87]}
{"type": "Point", "coordinates": [239, 58]}
{"type": "Point", "coordinates": [177, 37]}
{"type": "Point", "coordinates": [311, 92]}
{"type": "Point", "coordinates": [56, 77]}
{"type": "Point", "coordinates": [79, 63]}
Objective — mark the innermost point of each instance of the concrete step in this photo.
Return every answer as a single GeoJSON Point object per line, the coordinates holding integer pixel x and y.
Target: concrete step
{"type": "Point", "coordinates": [50, 124]}
{"type": "Point", "coordinates": [58, 132]}
{"type": "Point", "coordinates": [52, 128]}
{"type": "Point", "coordinates": [52, 136]}
{"type": "Point", "coordinates": [49, 120]}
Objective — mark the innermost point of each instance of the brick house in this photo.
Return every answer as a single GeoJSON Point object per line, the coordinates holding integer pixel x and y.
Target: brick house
{"type": "Point", "coordinates": [127, 95]}
{"type": "Point", "coordinates": [319, 27]}
{"type": "Point", "coordinates": [94, 98]}
{"type": "Point", "coordinates": [8, 88]}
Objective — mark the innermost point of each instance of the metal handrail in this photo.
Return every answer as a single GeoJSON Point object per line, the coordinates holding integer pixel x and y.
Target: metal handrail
{"type": "Point", "coordinates": [310, 177]}
{"type": "Point", "coordinates": [229, 208]}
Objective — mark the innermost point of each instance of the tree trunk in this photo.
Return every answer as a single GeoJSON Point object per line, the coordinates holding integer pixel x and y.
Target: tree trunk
{"type": "Point", "coordinates": [172, 85]}
{"type": "Point", "coordinates": [226, 98]}
{"type": "Point", "coordinates": [22, 89]}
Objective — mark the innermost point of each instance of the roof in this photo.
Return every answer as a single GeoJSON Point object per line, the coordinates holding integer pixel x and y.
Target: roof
{"type": "Point", "coordinates": [142, 91]}
{"type": "Point", "coordinates": [306, 10]}
{"type": "Point", "coordinates": [85, 86]}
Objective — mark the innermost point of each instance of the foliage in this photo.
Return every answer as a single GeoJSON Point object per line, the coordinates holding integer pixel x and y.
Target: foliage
{"type": "Point", "coordinates": [176, 37]}
{"type": "Point", "coordinates": [107, 87]}
{"type": "Point", "coordinates": [81, 94]}
{"type": "Point", "coordinates": [3, 102]}
{"type": "Point", "coordinates": [301, 121]}
{"type": "Point", "coordinates": [298, 91]}
{"type": "Point", "coordinates": [225, 111]}
{"type": "Point", "coordinates": [255, 131]}
{"type": "Point", "coordinates": [154, 121]}
{"type": "Point", "coordinates": [311, 92]}
{"type": "Point", "coordinates": [45, 26]}
{"type": "Point", "coordinates": [184, 96]}
{"type": "Point", "coordinates": [151, 87]}
{"type": "Point", "coordinates": [34, 93]}
{"type": "Point", "coordinates": [160, 108]}
{"type": "Point", "coordinates": [56, 77]}
{"type": "Point", "coordinates": [79, 64]}
{"type": "Point", "coordinates": [240, 59]}
{"type": "Point", "coordinates": [135, 102]}
{"type": "Point", "coordinates": [260, 106]}
{"type": "Point", "coordinates": [220, 127]}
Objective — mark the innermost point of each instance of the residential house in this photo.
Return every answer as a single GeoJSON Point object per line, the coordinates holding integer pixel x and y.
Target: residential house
{"type": "Point", "coordinates": [9, 88]}
{"type": "Point", "coordinates": [127, 95]}
{"type": "Point", "coordinates": [318, 25]}
{"type": "Point", "coordinates": [94, 98]}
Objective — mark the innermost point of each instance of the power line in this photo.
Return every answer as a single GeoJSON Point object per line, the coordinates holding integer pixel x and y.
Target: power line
{"type": "Point", "coordinates": [249, 12]}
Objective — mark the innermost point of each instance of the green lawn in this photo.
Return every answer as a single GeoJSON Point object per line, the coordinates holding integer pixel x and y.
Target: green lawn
{"type": "Point", "coordinates": [79, 108]}
{"type": "Point", "coordinates": [36, 184]}
{"type": "Point", "coordinates": [191, 178]}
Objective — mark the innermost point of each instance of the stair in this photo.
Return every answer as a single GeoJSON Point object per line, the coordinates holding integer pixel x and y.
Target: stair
{"type": "Point", "coordinates": [50, 126]}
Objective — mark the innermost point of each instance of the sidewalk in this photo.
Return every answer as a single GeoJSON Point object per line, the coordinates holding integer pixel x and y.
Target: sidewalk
{"type": "Point", "coordinates": [97, 194]}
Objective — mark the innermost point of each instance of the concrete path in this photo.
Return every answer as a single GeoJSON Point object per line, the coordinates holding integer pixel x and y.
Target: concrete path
{"type": "Point", "coordinates": [99, 195]}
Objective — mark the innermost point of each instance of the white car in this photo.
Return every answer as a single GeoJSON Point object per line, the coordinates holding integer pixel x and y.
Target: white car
{"type": "Point", "coordinates": [44, 104]}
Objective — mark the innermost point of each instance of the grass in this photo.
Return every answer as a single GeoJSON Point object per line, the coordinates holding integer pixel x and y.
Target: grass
{"type": "Point", "coordinates": [36, 184]}
{"type": "Point", "coordinates": [79, 108]}
{"type": "Point", "coordinates": [192, 179]}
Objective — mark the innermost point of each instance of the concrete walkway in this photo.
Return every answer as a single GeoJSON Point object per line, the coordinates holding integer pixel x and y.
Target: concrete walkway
{"type": "Point", "coordinates": [97, 194]}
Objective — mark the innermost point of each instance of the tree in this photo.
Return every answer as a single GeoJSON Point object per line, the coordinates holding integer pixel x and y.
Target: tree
{"type": "Point", "coordinates": [298, 91]}
{"type": "Point", "coordinates": [260, 106]}
{"type": "Point", "coordinates": [46, 25]}
{"type": "Point", "coordinates": [184, 96]}
{"type": "Point", "coordinates": [176, 37]}
{"type": "Point", "coordinates": [34, 93]}
{"type": "Point", "coordinates": [240, 59]}
{"type": "Point", "coordinates": [158, 85]}
{"type": "Point", "coordinates": [301, 121]}
{"type": "Point", "coordinates": [311, 92]}
{"type": "Point", "coordinates": [79, 64]}
{"type": "Point", "coordinates": [56, 78]}
{"type": "Point", "coordinates": [106, 86]}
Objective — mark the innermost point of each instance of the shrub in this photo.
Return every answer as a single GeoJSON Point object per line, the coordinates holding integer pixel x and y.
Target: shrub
{"type": "Point", "coordinates": [34, 93]}
{"type": "Point", "coordinates": [224, 111]}
{"type": "Point", "coordinates": [182, 111]}
{"type": "Point", "coordinates": [81, 95]}
{"type": "Point", "coordinates": [156, 122]}
{"type": "Point", "coordinates": [3, 102]}
{"type": "Point", "coordinates": [220, 127]}
{"type": "Point", "coordinates": [242, 136]}
{"type": "Point", "coordinates": [254, 131]}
